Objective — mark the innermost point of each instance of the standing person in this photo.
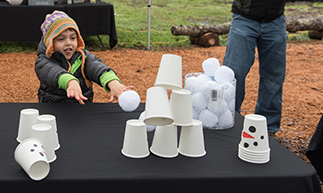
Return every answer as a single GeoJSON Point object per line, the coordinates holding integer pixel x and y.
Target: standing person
{"type": "Point", "coordinates": [261, 24]}
{"type": "Point", "coordinates": [65, 69]}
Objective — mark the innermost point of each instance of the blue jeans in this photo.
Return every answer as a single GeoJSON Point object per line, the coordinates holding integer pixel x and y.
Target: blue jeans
{"type": "Point", "coordinates": [271, 40]}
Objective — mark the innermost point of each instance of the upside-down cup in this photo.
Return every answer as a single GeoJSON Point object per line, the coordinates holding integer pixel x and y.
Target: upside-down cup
{"type": "Point", "coordinates": [191, 141]}
{"type": "Point", "coordinates": [135, 143]}
{"type": "Point", "coordinates": [44, 133]}
{"type": "Point", "coordinates": [50, 120]}
{"type": "Point", "coordinates": [169, 73]}
{"type": "Point", "coordinates": [157, 109]}
{"type": "Point", "coordinates": [28, 117]}
{"type": "Point", "coordinates": [164, 142]}
{"type": "Point", "coordinates": [254, 144]}
{"type": "Point", "coordinates": [181, 107]}
{"type": "Point", "coordinates": [31, 156]}
{"type": "Point", "coordinates": [254, 136]}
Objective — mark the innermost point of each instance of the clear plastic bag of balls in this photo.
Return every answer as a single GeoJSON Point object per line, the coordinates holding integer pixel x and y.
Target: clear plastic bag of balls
{"type": "Point", "coordinates": [213, 103]}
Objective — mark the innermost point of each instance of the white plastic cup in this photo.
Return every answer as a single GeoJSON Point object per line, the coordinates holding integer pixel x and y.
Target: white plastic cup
{"type": "Point", "coordinates": [181, 107]}
{"type": "Point", "coordinates": [157, 109]}
{"type": "Point", "coordinates": [191, 142]}
{"type": "Point", "coordinates": [164, 142]}
{"type": "Point", "coordinates": [169, 73]}
{"type": "Point", "coordinates": [254, 136]}
{"type": "Point", "coordinates": [44, 133]}
{"type": "Point", "coordinates": [28, 117]}
{"type": "Point", "coordinates": [50, 120]}
{"type": "Point", "coordinates": [135, 143]}
{"type": "Point", "coordinates": [31, 156]}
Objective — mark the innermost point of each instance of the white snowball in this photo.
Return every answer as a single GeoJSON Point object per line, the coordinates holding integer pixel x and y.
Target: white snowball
{"type": "Point", "coordinates": [148, 127]}
{"type": "Point", "coordinates": [193, 84]}
{"type": "Point", "coordinates": [226, 118]}
{"type": "Point", "coordinates": [229, 91]}
{"type": "Point", "coordinates": [195, 114]}
{"type": "Point", "coordinates": [199, 102]}
{"type": "Point", "coordinates": [224, 74]}
{"type": "Point", "coordinates": [231, 105]}
{"type": "Point", "coordinates": [208, 118]}
{"type": "Point", "coordinates": [210, 65]}
{"type": "Point", "coordinates": [129, 100]}
{"type": "Point", "coordinates": [217, 107]}
{"type": "Point", "coordinates": [204, 78]}
{"type": "Point", "coordinates": [208, 88]}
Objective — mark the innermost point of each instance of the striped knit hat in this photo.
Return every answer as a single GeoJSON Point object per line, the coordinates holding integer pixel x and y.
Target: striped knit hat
{"type": "Point", "coordinates": [53, 25]}
{"type": "Point", "coordinates": [56, 23]}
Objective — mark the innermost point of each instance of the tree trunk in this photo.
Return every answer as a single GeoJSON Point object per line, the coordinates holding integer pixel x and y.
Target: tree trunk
{"type": "Point", "coordinates": [197, 31]}
{"type": "Point", "coordinates": [314, 34]}
{"type": "Point", "coordinates": [206, 40]}
{"type": "Point", "coordinates": [293, 24]}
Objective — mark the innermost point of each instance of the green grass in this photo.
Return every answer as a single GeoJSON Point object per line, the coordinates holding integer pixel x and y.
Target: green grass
{"type": "Point", "coordinates": [131, 17]}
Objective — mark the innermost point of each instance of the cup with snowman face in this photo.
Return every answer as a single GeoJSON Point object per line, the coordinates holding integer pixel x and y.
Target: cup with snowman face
{"type": "Point", "coordinates": [31, 156]}
{"type": "Point", "coordinates": [254, 145]}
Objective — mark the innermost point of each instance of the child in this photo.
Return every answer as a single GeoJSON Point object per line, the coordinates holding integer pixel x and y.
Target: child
{"type": "Point", "coordinates": [65, 69]}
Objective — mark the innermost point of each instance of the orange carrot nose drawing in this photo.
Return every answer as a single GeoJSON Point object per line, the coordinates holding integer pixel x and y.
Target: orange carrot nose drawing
{"type": "Point", "coordinates": [246, 135]}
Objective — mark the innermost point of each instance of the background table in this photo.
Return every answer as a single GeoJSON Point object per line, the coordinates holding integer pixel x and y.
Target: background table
{"type": "Point", "coordinates": [22, 23]}
{"type": "Point", "coordinates": [90, 159]}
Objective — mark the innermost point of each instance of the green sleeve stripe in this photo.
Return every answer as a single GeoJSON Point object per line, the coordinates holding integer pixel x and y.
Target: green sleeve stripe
{"type": "Point", "coordinates": [64, 79]}
{"type": "Point", "coordinates": [106, 78]}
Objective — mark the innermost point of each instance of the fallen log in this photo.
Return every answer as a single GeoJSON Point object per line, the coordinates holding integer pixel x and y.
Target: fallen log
{"type": "Point", "coordinates": [314, 34]}
{"type": "Point", "coordinates": [206, 40]}
{"type": "Point", "coordinates": [293, 24]}
{"type": "Point", "coordinates": [196, 31]}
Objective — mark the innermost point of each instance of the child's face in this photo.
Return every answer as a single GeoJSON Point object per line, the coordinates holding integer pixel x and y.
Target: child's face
{"type": "Point", "coordinates": [66, 43]}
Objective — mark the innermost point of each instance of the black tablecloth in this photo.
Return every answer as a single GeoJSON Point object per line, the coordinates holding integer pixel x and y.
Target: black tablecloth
{"type": "Point", "coordinates": [90, 159]}
{"type": "Point", "coordinates": [22, 23]}
{"type": "Point", "coordinates": [315, 149]}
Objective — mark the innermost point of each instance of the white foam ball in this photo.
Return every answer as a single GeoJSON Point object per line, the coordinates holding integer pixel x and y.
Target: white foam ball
{"type": "Point", "coordinates": [198, 101]}
{"type": "Point", "coordinates": [192, 84]}
{"type": "Point", "coordinates": [210, 65]}
{"type": "Point", "coordinates": [204, 78]}
{"type": "Point", "coordinates": [226, 118]}
{"type": "Point", "coordinates": [129, 100]}
{"type": "Point", "coordinates": [224, 74]}
{"type": "Point", "coordinates": [217, 107]}
{"type": "Point", "coordinates": [208, 118]}
{"type": "Point", "coordinates": [195, 114]}
{"type": "Point", "coordinates": [229, 91]}
{"type": "Point", "coordinates": [231, 104]}
{"type": "Point", "coordinates": [148, 127]}
{"type": "Point", "coordinates": [208, 88]}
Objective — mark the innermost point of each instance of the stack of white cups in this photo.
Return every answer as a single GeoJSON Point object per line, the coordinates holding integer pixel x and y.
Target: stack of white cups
{"type": "Point", "coordinates": [254, 145]}
{"type": "Point", "coordinates": [38, 141]}
{"type": "Point", "coordinates": [166, 115]}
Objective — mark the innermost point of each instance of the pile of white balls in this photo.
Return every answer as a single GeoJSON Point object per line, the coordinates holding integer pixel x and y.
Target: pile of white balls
{"type": "Point", "coordinates": [213, 95]}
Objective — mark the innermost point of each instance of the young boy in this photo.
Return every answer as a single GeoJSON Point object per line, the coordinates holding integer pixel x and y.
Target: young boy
{"type": "Point", "coordinates": [65, 69]}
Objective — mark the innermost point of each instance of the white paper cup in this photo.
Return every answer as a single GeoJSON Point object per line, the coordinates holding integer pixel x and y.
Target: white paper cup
{"type": "Point", "coordinates": [50, 120]}
{"type": "Point", "coordinates": [170, 72]}
{"type": "Point", "coordinates": [164, 142]}
{"type": "Point", "coordinates": [28, 117]}
{"type": "Point", "coordinates": [181, 107]}
{"type": "Point", "coordinates": [157, 109]}
{"type": "Point", "coordinates": [135, 143]}
{"type": "Point", "coordinates": [254, 136]}
{"type": "Point", "coordinates": [31, 156]}
{"type": "Point", "coordinates": [191, 142]}
{"type": "Point", "coordinates": [44, 133]}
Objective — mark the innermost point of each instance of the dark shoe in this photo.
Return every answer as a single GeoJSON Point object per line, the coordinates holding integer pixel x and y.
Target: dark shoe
{"type": "Point", "coordinates": [273, 135]}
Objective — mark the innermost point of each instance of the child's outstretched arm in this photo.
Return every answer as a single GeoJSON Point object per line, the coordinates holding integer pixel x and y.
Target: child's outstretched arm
{"type": "Point", "coordinates": [74, 90]}
{"type": "Point", "coordinates": [116, 89]}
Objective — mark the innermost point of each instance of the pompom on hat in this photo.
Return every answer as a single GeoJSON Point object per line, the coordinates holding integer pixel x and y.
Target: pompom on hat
{"type": "Point", "coordinates": [53, 26]}
{"type": "Point", "coordinates": [56, 23]}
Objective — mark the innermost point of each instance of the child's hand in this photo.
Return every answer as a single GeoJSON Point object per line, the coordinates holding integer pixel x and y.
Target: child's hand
{"type": "Point", "coordinates": [116, 89]}
{"type": "Point", "coordinates": [74, 90]}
